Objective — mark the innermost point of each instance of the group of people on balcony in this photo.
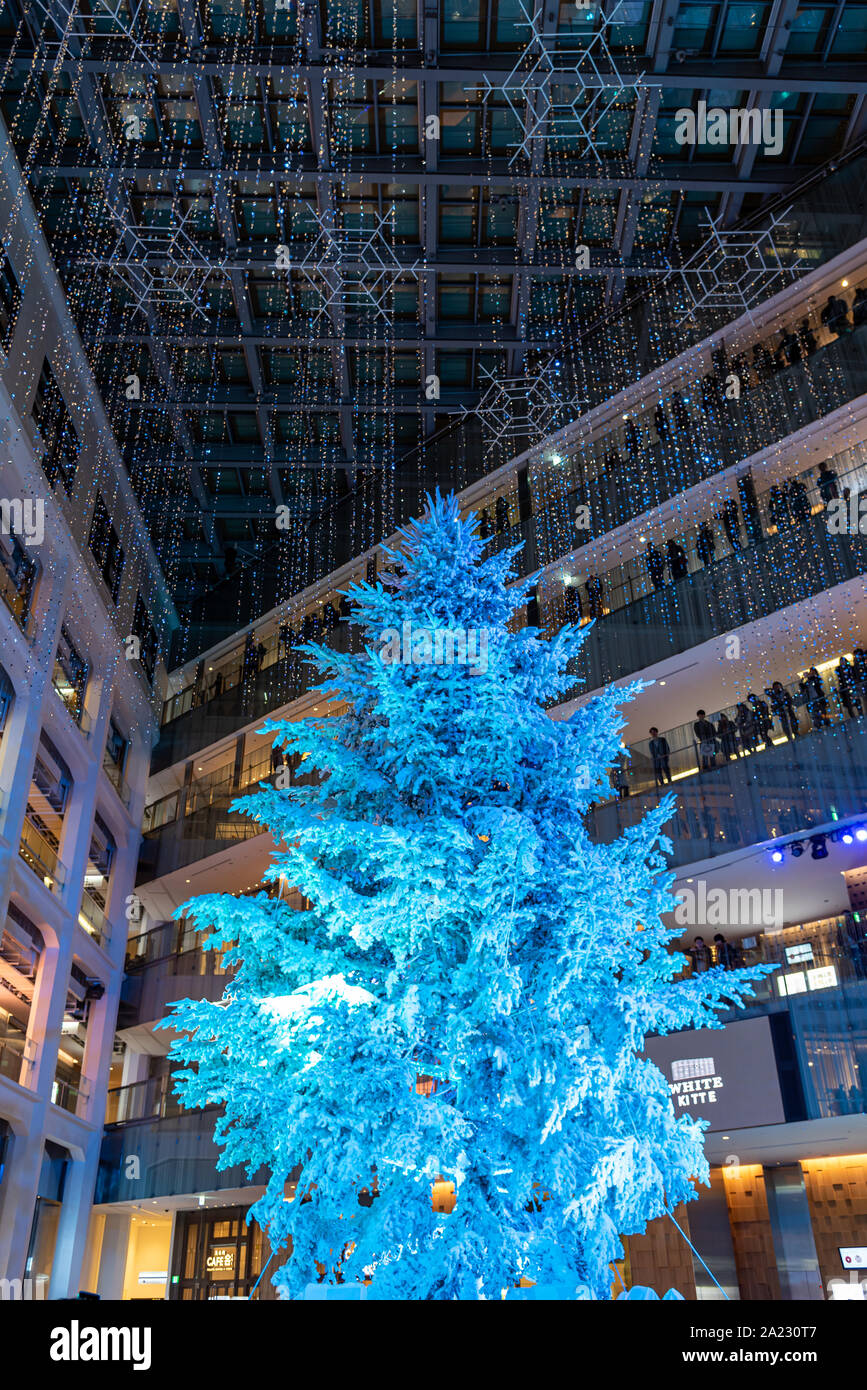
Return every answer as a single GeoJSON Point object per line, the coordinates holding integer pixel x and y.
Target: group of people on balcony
{"type": "Point", "coordinates": [788, 504]}
{"type": "Point", "coordinates": [502, 520]}
{"type": "Point", "coordinates": [753, 725]}
{"type": "Point", "coordinates": [313, 627]}
{"type": "Point", "coordinates": [702, 957]}
{"type": "Point", "coordinates": [797, 341]}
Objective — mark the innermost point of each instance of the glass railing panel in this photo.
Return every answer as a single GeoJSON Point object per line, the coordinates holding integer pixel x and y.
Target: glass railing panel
{"type": "Point", "coordinates": [788, 789]}
{"type": "Point", "coordinates": [41, 856]}
{"type": "Point", "coordinates": [216, 790]}
{"type": "Point", "coordinates": [161, 812]}
{"type": "Point", "coordinates": [152, 1099]}
{"type": "Point", "coordinates": [12, 1054]}
{"type": "Point", "coordinates": [117, 779]}
{"type": "Point", "coordinates": [289, 675]}
{"type": "Point", "coordinates": [154, 944]}
{"type": "Point", "coordinates": [807, 716]}
{"type": "Point", "coordinates": [92, 919]}
{"type": "Point", "coordinates": [16, 599]}
{"type": "Point", "coordinates": [69, 1095]}
{"type": "Point", "coordinates": [780, 570]}
{"type": "Point", "coordinates": [175, 945]}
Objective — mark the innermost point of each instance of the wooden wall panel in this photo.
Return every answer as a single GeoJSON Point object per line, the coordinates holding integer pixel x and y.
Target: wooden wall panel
{"type": "Point", "coordinates": [751, 1232]}
{"type": "Point", "coordinates": [661, 1258]}
{"type": "Point", "coordinates": [837, 1194]}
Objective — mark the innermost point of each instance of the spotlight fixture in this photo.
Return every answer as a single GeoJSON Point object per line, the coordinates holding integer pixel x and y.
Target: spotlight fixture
{"type": "Point", "coordinates": [861, 833]}
{"type": "Point", "coordinates": [847, 837]}
{"type": "Point", "coordinates": [777, 856]}
{"type": "Point", "coordinates": [797, 849]}
{"type": "Point", "coordinates": [819, 848]}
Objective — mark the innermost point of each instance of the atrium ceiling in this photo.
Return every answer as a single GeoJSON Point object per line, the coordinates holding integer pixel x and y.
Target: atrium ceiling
{"type": "Point", "coordinates": [302, 240]}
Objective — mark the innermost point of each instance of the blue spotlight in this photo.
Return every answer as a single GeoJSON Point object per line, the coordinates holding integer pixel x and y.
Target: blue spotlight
{"type": "Point", "coordinates": [777, 856]}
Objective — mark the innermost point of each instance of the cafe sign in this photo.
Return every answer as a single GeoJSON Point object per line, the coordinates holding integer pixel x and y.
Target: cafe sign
{"type": "Point", "coordinates": [221, 1259]}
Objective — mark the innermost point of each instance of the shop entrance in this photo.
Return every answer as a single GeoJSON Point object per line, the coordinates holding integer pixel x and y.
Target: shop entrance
{"type": "Point", "coordinates": [216, 1255]}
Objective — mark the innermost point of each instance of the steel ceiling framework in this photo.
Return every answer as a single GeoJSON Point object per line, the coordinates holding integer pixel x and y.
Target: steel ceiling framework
{"type": "Point", "coordinates": [525, 81]}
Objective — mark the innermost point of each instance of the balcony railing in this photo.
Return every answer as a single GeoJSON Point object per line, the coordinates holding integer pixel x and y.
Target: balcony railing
{"type": "Point", "coordinates": [787, 789]}
{"type": "Point", "coordinates": [41, 856]}
{"type": "Point", "coordinates": [12, 1056]}
{"type": "Point", "coordinates": [685, 757]}
{"type": "Point", "coordinates": [92, 919]}
{"type": "Point", "coordinates": [630, 582]}
{"type": "Point", "coordinates": [117, 779]}
{"type": "Point", "coordinates": [213, 792]}
{"type": "Point", "coordinates": [714, 440]}
{"type": "Point", "coordinates": [16, 588]}
{"type": "Point", "coordinates": [235, 673]}
{"type": "Point", "coordinates": [176, 947]}
{"type": "Point", "coordinates": [143, 1100]}
{"type": "Point", "coordinates": [70, 1095]}
{"type": "Point", "coordinates": [796, 563]}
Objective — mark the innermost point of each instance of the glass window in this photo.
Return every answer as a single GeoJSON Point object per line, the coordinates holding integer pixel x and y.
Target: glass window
{"type": "Point", "coordinates": [394, 23]}
{"type": "Point", "coordinates": [694, 28]}
{"type": "Point", "coordinates": [631, 27]}
{"type": "Point", "coordinates": [244, 426]}
{"type": "Point", "coordinates": [744, 28]}
{"type": "Point", "coordinates": [106, 548]}
{"type": "Point", "coordinates": [463, 24]}
{"type": "Point", "coordinates": [227, 18]}
{"type": "Point", "coordinates": [823, 135]}
{"type": "Point", "coordinates": [809, 27]}
{"type": "Point", "coordinates": [144, 630]}
{"type": "Point", "coordinates": [398, 122]}
{"type": "Point", "coordinates": [458, 215]}
{"type": "Point", "coordinates": [495, 295]}
{"type": "Point", "coordinates": [70, 674]}
{"type": "Point", "coordinates": [851, 35]}
{"type": "Point", "coordinates": [10, 300]}
{"type": "Point", "coordinates": [60, 460]}
{"type": "Point", "coordinates": [456, 296]}
{"type": "Point", "coordinates": [454, 368]}
{"type": "Point", "coordinates": [500, 218]}
{"type": "Point", "coordinates": [598, 218]}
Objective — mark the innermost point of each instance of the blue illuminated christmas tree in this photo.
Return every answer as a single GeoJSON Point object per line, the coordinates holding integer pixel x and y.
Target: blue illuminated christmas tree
{"type": "Point", "coordinates": [465, 926]}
